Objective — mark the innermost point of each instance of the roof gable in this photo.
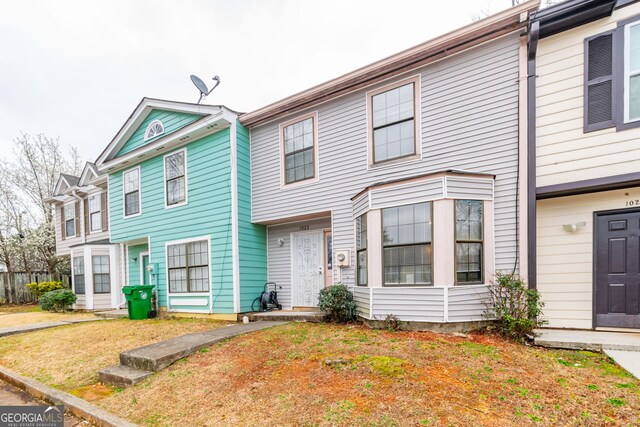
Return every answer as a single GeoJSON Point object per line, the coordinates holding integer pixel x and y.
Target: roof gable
{"type": "Point", "coordinates": [89, 173]}
{"type": "Point", "coordinates": [171, 121]}
{"type": "Point", "coordinates": [65, 182]}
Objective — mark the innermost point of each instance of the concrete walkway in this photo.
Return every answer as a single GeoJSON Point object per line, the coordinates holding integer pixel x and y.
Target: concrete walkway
{"type": "Point", "coordinates": [622, 347]}
{"type": "Point", "coordinates": [44, 325]}
{"type": "Point", "coordinates": [140, 363]}
{"type": "Point", "coordinates": [287, 316]}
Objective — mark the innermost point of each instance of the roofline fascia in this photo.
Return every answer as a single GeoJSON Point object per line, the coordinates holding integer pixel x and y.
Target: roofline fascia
{"type": "Point", "coordinates": [127, 129]}
{"type": "Point", "coordinates": [455, 41]}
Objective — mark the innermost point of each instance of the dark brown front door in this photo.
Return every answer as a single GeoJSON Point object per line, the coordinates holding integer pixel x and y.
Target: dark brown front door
{"type": "Point", "coordinates": [617, 276]}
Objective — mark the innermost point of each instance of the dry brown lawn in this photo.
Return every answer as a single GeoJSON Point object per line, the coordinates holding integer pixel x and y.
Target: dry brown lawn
{"type": "Point", "coordinates": [378, 378]}
{"type": "Point", "coordinates": [68, 357]}
{"type": "Point", "coordinates": [280, 376]}
{"type": "Point", "coordinates": [18, 319]}
{"type": "Point", "coordinates": [18, 308]}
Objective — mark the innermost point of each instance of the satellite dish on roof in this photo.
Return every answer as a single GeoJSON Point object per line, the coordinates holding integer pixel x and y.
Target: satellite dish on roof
{"type": "Point", "coordinates": [202, 87]}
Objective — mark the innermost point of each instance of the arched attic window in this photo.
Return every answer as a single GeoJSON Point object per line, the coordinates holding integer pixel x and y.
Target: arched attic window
{"type": "Point", "coordinates": [154, 129]}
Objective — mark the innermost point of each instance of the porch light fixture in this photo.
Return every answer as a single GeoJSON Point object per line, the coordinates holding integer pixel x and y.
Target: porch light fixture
{"type": "Point", "coordinates": [572, 228]}
{"type": "Point", "coordinates": [280, 242]}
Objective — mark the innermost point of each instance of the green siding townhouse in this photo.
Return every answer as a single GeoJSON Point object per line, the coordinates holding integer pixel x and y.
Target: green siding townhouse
{"type": "Point", "coordinates": [180, 207]}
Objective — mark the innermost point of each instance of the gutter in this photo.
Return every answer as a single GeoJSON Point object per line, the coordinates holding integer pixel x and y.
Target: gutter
{"type": "Point", "coordinates": [534, 34]}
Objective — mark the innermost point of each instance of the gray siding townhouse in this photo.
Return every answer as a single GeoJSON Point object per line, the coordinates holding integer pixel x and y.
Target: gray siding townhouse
{"type": "Point", "coordinates": [402, 179]}
{"type": "Point", "coordinates": [82, 233]}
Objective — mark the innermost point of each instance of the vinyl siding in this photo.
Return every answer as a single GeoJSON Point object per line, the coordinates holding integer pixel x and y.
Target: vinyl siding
{"type": "Point", "coordinates": [63, 246]}
{"type": "Point", "coordinates": [564, 152]}
{"type": "Point", "coordinates": [565, 260]}
{"type": "Point", "coordinates": [252, 238]}
{"type": "Point", "coordinates": [469, 121]}
{"type": "Point", "coordinates": [421, 191]}
{"type": "Point", "coordinates": [467, 303]}
{"type": "Point", "coordinates": [409, 304]}
{"type": "Point", "coordinates": [469, 188]}
{"type": "Point", "coordinates": [133, 275]}
{"type": "Point", "coordinates": [362, 297]}
{"type": "Point", "coordinates": [171, 120]}
{"type": "Point", "coordinates": [279, 257]}
{"type": "Point", "coordinates": [207, 214]}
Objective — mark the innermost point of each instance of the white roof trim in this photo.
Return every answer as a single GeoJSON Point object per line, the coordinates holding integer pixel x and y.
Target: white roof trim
{"type": "Point", "coordinates": [89, 173]}
{"type": "Point", "coordinates": [140, 114]}
{"type": "Point", "coordinates": [58, 188]}
{"type": "Point", "coordinates": [206, 126]}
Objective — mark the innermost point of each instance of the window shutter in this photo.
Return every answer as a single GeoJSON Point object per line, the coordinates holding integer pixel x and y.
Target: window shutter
{"type": "Point", "coordinates": [104, 207]}
{"type": "Point", "coordinates": [77, 219]}
{"type": "Point", "coordinates": [598, 82]}
{"type": "Point", "coordinates": [87, 225]}
{"type": "Point", "coordinates": [63, 231]}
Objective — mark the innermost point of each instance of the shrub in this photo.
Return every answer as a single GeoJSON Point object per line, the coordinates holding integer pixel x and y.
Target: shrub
{"type": "Point", "coordinates": [58, 300]}
{"type": "Point", "coordinates": [337, 301]}
{"type": "Point", "coordinates": [516, 308]}
{"type": "Point", "coordinates": [44, 287]}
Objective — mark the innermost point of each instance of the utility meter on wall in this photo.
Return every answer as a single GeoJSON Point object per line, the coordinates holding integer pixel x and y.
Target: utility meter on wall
{"type": "Point", "coordinates": [342, 257]}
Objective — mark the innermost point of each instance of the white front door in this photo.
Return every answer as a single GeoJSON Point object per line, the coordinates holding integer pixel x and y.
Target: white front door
{"type": "Point", "coordinates": [307, 267]}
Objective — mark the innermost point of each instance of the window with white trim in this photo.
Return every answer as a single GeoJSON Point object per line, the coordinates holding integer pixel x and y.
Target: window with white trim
{"type": "Point", "coordinates": [101, 274]}
{"type": "Point", "coordinates": [175, 176]}
{"type": "Point", "coordinates": [361, 251]}
{"type": "Point", "coordinates": [70, 219]}
{"type": "Point", "coordinates": [632, 71]}
{"type": "Point", "coordinates": [393, 123]}
{"type": "Point", "coordinates": [95, 212]}
{"type": "Point", "coordinates": [131, 183]}
{"type": "Point", "coordinates": [469, 241]}
{"type": "Point", "coordinates": [78, 275]}
{"type": "Point", "coordinates": [154, 129]}
{"type": "Point", "coordinates": [299, 151]}
{"type": "Point", "coordinates": [406, 235]}
{"type": "Point", "coordinates": [188, 265]}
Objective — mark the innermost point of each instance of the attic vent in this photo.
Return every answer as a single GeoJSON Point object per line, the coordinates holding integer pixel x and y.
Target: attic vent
{"type": "Point", "coordinates": [154, 129]}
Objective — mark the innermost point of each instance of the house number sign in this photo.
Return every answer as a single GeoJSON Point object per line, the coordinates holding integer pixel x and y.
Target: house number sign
{"type": "Point", "coordinates": [304, 227]}
{"type": "Point", "coordinates": [632, 203]}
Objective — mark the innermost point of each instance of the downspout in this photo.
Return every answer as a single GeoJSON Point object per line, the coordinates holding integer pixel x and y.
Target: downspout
{"type": "Point", "coordinates": [534, 34]}
{"type": "Point", "coordinates": [82, 225]}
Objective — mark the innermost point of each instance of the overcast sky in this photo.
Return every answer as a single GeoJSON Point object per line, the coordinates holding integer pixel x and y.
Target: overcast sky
{"type": "Point", "coordinates": [77, 69]}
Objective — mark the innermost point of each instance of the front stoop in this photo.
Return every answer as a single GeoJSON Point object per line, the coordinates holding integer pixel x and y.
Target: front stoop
{"type": "Point", "coordinates": [113, 314]}
{"type": "Point", "coordinates": [286, 316]}
{"type": "Point", "coordinates": [139, 363]}
{"type": "Point", "coordinates": [122, 376]}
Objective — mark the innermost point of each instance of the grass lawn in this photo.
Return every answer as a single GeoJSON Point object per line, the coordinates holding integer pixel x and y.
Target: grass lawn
{"type": "Point", "coordinates": [68, 357]}
{"type": "Point", "coordinates": [17, 318]}
{"type": "Point", "coordinates": [18, 308]}
{"type": "Point", "coordinates": [281, 377]}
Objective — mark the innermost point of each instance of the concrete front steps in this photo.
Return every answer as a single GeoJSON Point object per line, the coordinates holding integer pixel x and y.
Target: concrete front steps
{"type": "Point", "coordinates": [298, 314]}
{"type": "Point", "coordinates": [622, 347]}
{"type": "Point", "coordinates": [140, 363]}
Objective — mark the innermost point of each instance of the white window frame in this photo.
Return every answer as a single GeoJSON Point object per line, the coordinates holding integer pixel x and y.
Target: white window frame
{"type": "Point", "coordinates": [100, 211]}
{"type": "Point", "coordinates": [146, 132]}
{"type": "Point", "coordinates": [166, 267]}
{"type": "Point", "coordinates": [186, 179]}
{"type": "Point", "coordinates": [74, 273]}
{"type": "Point", "coordinates": [124, 207]}
{"type": "Point", "coordinates": [316, 175]}
{"type": "Point", "coordinates": [417, 114]}
{"type": "Point", "coordinates": [627, 72]}
{"type": "Point", "coordinates": [73, 218]}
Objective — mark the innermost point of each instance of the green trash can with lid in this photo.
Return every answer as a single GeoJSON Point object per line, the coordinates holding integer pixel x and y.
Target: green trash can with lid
{"type": "Point", "coordinates": [139, 301]}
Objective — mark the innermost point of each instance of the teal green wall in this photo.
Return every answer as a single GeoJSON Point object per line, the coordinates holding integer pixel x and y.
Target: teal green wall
{"type": "Point", "coordinates": [171, 120]}
{"type": "Point", "coordinates": [208, 213]}
{"type": "Point", "coordinates": [252, 238]}
{"type": "Point", "coordinates": [133, 275]}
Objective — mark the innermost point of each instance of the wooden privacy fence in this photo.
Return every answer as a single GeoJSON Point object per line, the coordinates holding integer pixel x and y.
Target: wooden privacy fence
{"type": "Point", "coordinates": [18, 281]}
